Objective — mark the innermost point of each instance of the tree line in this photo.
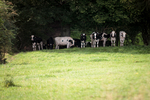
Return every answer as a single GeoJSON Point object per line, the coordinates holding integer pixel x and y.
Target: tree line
{"type": "Point", "coordinates": [21, 18]}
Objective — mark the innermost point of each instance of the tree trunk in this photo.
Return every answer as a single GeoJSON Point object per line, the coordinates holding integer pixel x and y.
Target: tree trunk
{"type": "Point", "coordinates": [117, 39]}
{"type": "Point", "coordinates": [65, 30]}
{"type": "Point", "coordinates": [145, 35]}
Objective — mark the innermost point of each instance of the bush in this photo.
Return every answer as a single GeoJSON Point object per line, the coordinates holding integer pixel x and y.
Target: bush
{"type": "Point", "coordinates": [7, 28]}
{"type": "Point", "coordinates": [8, 81]}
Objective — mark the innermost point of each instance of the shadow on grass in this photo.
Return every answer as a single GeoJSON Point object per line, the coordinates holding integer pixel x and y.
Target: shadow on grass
{"type": "Point", "coordinates": [88, 50]}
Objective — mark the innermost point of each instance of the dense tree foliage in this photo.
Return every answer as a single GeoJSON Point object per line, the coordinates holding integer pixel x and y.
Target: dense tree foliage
{"type": "Point", "coordinates": [7, 28]}
{"type": "Point", "coordinates": [101, 13]}
{"type": "Point", "coordinates": [42, 17]}
{"type": "Point", "coordinates": [138, 12]}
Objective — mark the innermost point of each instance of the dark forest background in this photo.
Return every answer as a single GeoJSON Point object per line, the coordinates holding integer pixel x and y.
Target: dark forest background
{"type": "Point", "coordinates": [44, 18]}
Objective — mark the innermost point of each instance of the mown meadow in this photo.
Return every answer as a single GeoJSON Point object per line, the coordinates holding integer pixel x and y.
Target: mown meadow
{"type": "Point", "coordinates": [104, 73]}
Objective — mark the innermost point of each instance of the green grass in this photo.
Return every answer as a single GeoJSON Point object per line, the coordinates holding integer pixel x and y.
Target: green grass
{"type": "Point", "coordinates": [110, 73]}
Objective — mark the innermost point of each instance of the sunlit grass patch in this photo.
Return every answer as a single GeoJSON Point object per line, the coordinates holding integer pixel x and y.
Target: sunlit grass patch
{"type": "Point", "coordinates": [109, 73]}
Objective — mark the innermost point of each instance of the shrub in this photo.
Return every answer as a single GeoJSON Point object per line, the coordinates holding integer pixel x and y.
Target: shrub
{"type": "Point", "coordinates": [8, 81]}
{"type": "Point", "coordinates": [7, 28]}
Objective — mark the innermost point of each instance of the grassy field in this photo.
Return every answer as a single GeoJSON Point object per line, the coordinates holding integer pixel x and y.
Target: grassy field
{"type": "Point", "coordinates": [110, 73]}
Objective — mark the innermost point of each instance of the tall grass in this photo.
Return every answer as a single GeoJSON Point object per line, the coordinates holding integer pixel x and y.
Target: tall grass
{"type": "Point", "coordinates": [110, 73]}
